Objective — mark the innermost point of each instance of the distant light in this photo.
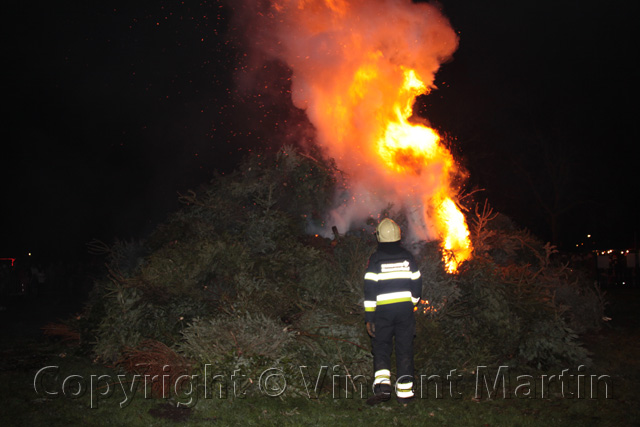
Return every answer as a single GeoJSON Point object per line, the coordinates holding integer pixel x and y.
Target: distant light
{"type": "Point", "coordinates": [588, 236]}
{"type": "Point", "coordinates": [29, 253]}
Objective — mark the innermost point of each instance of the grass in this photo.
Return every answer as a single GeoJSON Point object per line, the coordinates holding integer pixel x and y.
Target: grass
{"type": "Point", "coordinates": [615, 352]}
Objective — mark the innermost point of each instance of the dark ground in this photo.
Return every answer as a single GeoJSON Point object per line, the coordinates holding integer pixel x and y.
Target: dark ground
{"type": "Point", "coordinates": [24, 349]}
{"type": "Point", "coordinates": [22, 319]}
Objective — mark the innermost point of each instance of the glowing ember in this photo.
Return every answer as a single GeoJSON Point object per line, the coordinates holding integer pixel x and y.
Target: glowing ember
{"type": "Point", "coordinates": [357, 68]}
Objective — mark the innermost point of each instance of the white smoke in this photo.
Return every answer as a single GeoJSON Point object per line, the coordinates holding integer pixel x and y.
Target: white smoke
{"type": "Point", "coordinates": [324, 43]}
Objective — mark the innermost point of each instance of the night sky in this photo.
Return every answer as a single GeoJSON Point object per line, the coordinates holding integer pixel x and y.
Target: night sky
{"type": "Point", "coordinates": [113, 110]}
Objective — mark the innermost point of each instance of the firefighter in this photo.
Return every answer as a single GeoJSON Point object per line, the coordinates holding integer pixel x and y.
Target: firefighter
{"type": "Point", "coordinates": [392, 288]}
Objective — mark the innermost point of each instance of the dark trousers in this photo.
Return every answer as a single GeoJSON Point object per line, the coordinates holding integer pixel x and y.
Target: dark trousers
{"type": "Point", "coordinates": [399, 323]}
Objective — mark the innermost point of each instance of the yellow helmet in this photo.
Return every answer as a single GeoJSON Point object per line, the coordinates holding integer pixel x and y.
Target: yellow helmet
{"type": "Point", "coordinates": [388, 231]}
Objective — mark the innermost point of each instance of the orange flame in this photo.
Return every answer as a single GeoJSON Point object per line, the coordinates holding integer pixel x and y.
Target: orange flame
{"type": "Point", "coordinates": [456, 243]}
{"type": "Point", "coordinates": [357, 68]}
{"type": "Point", "coordinates": [405, 149]}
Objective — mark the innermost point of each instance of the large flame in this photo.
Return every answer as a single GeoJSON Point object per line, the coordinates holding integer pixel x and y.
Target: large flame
{"type": "Point", "coordinates": [405, 149]}
{"type": "Point", "coordinates": [357, 68]}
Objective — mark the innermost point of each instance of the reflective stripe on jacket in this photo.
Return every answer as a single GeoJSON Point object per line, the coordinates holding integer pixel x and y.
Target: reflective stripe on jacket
{"type": "Point", "coordinates": [392, 277]}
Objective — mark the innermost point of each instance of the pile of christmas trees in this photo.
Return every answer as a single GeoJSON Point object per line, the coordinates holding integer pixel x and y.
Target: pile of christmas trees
{"type": "Point", "coordinates": [234, 281]}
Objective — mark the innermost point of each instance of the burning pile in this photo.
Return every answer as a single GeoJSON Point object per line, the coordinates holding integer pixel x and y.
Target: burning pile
{"type": "Point", "coordinates": [357, 68]}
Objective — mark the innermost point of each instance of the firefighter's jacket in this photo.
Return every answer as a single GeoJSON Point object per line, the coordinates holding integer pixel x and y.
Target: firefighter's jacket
{"type": "Point", "coordinates": [392, 280]}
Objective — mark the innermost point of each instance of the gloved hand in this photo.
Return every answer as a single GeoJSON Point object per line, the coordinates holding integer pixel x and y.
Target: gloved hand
{"type": "Point", "coordinates": [371, 329]}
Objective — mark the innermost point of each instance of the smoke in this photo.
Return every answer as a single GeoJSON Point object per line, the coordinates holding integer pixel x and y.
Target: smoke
{"type": "Point", "coordinates": [348, 60]}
